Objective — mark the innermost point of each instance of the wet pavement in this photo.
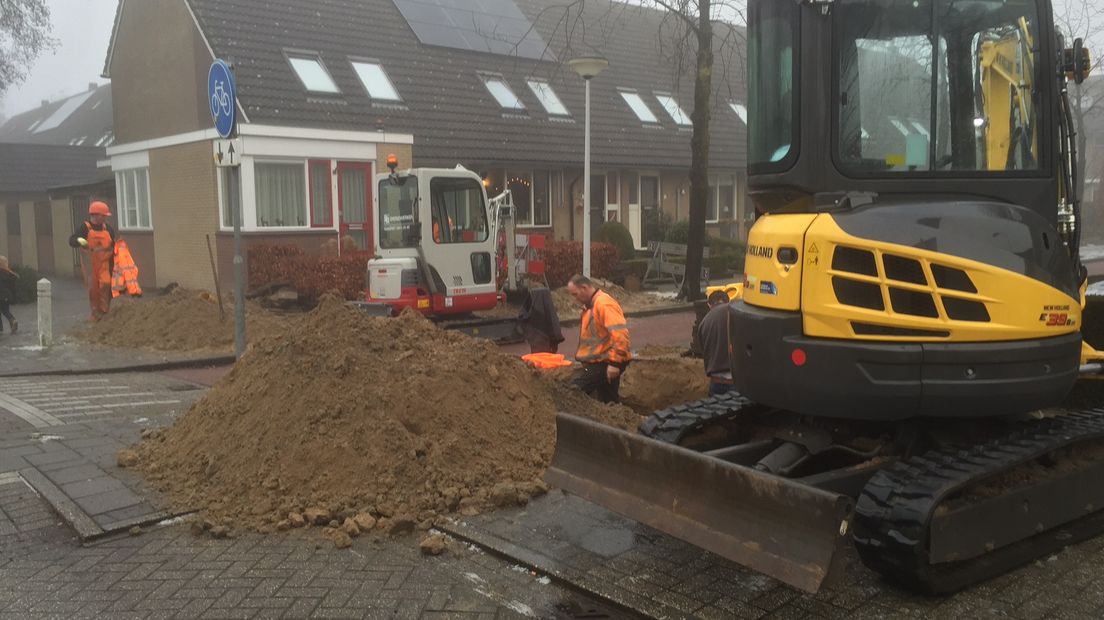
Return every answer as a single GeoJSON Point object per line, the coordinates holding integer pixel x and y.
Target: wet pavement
{"type": "Point", "coordinates": [21, 354]}
{"type": "Point", "coordinates": [659, 576]}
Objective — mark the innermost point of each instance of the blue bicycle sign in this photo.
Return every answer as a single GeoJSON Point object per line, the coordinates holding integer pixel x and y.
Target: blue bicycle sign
{"type": "Point", "coordinates": [223, 95]}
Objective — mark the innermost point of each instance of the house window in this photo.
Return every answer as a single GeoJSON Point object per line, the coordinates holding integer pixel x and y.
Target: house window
{"type": "Point", "coordinates": [668, 102]}
{"type": "Point", "coordinates": [520, 185]}
{"type": "Point", "coordinates": [502, 93]}
{"type": "Point", "coordinates": [722, 199]}
{"type": "Point", "coordinates": [542, 198]}
{"type": "Point", "coordinates": [321, 195]}
{"type": "Point", "coordinates": [231, 195]}
{"type": "Point", "coordinates": [375, 81]}
{"type": "Point", "coordinates": [134, 198]}
{"type": "Point", "coordinates": [281, 194]}
{"type": "Point", "coordinates": [548, 98]}
{"type": "Point", "coordinates": [740, 110]}
{"type": "Point", "coordinates": [312, 73]}
{"type": "Point", "coordinates": [639, 107]}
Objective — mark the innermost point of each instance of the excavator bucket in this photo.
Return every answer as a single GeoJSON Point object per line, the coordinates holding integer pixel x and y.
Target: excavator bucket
{"type": "Point", "coordinates": [782, 528]}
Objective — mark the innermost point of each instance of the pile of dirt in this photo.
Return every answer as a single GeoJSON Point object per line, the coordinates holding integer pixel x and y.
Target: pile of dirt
{"type": "Point", "coordinates": [181, 320]}
{"type": "Point", "coordinates": [393, 421]}
{"type": "Point", "coordinates": [653, 384]}
{"type": "Point", "coordinates": [568, 308]}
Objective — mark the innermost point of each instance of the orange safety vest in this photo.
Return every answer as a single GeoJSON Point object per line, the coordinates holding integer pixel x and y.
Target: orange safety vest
{"type": "Point", "coordinates": [101, 260]}
{"type": "Point", "coordinates": [125, 278]}
{"type": "Point", "coordinates": [604, 332]}
{"type": "Point", "coordinates": [545, 360]}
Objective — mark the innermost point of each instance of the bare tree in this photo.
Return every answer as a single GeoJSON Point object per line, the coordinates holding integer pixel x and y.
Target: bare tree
{"type": "Point", "coordinates": [24, 34]}
{"type": "Point", "coordinates": [1080, 19]}
{"type": "Point", "coordinates": [690, 37]}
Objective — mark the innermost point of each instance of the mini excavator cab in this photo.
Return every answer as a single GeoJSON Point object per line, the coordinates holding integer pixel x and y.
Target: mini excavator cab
{"type": "Point", "coordinates": [919, 245]}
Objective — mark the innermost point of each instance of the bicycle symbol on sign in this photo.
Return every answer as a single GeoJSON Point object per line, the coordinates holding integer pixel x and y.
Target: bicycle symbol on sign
{"type": "Point", "coordinates": [220, 100]}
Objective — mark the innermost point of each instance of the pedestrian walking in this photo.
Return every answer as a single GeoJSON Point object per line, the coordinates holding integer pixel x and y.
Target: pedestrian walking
{"type": "Point", "coordinates": [96, 238]}
{"type": "Point", "coordinates": [713, 338]}
{"type": "Point", "coordinates": [7, 294]}
{"type": "Point", "coordinates": [604, 346]}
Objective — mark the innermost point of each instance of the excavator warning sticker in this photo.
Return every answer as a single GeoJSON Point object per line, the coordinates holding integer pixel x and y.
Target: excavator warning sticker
{"type": "Point", "coordinates": [814, 255]}
{"type": "Point", "coordinates": [1056, 316]}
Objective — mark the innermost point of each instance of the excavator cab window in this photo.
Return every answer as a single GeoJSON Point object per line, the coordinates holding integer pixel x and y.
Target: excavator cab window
{"type": "Point", "coordinates": [457, 210]}
{"type": "Point", "coordinates": [398, 222]}
{"type": "Point", "coordinates": [772, 131]}
{"type": "Point", "coordinates": [936, 85]}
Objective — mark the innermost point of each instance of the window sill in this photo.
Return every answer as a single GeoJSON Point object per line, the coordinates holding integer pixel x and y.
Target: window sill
{"type": "Point", "coordinates": [136, 229]}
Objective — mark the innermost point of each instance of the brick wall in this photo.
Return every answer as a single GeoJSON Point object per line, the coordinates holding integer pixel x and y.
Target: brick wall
{"type": "Point", "coordinates": [402, 151]}
{"type": "Point", "coordinates": [183, 194]}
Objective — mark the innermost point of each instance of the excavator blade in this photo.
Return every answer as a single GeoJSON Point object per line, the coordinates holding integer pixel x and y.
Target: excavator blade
{"type": "Point", "coordinates": [782, 528]}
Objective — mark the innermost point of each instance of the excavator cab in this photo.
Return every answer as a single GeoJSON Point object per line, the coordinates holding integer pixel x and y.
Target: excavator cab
{"type": "Point", "coordinates": [912, 298]}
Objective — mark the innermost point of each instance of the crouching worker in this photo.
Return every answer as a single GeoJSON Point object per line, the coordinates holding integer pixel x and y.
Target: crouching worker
{"type": "Point", "coordinates": [604, 348]}
{"type": "Point", "coordinates": [713, 336]}
{"type": "Point", "coordinates": [96, 238]}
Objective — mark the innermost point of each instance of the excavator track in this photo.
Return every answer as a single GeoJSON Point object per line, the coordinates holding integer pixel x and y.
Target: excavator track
{"type": "Point", "coordinates": [672, 424]}
{"type": "Point", "coordinates": [892, 526]}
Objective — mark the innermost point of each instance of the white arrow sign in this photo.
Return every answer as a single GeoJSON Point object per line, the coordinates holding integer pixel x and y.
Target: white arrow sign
{"type": "Point", "coordinates": [228, 153]}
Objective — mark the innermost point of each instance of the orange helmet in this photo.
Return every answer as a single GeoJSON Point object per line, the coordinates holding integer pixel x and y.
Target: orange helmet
{"type": "Point", "coordinates": [99, 208]}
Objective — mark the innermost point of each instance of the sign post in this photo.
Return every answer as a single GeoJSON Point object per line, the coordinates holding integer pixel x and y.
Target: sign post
{"type": "Point", "coordinates": [227, 153]}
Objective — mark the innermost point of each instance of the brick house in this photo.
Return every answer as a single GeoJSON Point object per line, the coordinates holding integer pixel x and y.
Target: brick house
{"type": "Point", "coordinates": [50, 170]}
{"type": "Point", "coordinates": [327, 91]}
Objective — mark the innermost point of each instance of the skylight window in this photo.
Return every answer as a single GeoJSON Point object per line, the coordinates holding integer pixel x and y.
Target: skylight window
{"type": "Point", "coordinates": [547, 97]}
{"type": "Point", "coordinates": [375, 81]}
{"type": "Point", "coordinates": [639, 107]}
{"type": "Point", "coordinates": [312, 73]}
{"type": "Point", "coordinates": [668, 102]}
{"type": "Point", "coordinates": [63, 112]}
{"type": "Point", "coordinates": [901, 127]}
{"type": "Point", "coordinates": [502, 93]}
{"type": "Point", "coordinates": [740, 110]}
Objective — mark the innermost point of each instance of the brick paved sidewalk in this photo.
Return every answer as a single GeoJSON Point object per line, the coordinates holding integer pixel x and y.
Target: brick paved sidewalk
{"type": "Point", "coordinates": [169, 573]}
{"type": "Point", "coordinates": [649, 571]}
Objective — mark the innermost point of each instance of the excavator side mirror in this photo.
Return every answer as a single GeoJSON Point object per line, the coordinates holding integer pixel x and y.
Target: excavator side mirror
{"type": "Point", "coordinates": [1076, 61]}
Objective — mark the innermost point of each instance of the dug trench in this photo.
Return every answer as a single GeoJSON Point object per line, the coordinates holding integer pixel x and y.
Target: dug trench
{"type": "Point", "coordinates": [354, 423]}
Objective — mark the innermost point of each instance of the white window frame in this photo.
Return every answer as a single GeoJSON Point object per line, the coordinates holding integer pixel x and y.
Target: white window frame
{"type": "Point", "coordinates": [671, 105]}
{"type": "Point", "coordinates": [532, 203]}
{"type": "Point", "coordinates": [626, 95]}
{"type": "Point", "coordinates": [517, 105]}
{"type": "Point", "coordinates": [541, 89]}
{"type": "Point", "coordinates": [251, 213]}
{"type": "Point", "coordinates": [616, 204]}
{"type": "Point", "coordinates": [123, 200]}
{"type": "Point", "coordinates": [715, 182]}
{"type": "Point", "coordinates": [353, 62]}
{"type": "Point", "coordinates": [312, 57]}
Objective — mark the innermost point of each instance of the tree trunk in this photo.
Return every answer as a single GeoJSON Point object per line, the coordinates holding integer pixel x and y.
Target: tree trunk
{"type": "Point", "coordinates": [699, 154]}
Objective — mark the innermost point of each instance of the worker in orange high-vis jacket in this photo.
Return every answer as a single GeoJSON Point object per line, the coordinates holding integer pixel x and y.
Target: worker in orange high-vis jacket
{"type": "Point", "coordinates": [604, 348]}
{"type": "Point", "coordinates": [97, 238]}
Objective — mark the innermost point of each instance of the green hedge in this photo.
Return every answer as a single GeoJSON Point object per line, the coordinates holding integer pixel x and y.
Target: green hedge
{"type": "Point", "coordinates": [26, 287]}
{"type": "Point", "coordinates": [617, 235]}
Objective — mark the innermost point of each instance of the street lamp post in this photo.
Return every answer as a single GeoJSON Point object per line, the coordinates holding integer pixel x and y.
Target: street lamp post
{"type": "Point", "coordinates": [587, 67]}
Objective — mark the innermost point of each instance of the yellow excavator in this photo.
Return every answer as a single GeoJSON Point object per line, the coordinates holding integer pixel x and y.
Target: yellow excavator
{"type": "Point", "coordinates": [908, 328]}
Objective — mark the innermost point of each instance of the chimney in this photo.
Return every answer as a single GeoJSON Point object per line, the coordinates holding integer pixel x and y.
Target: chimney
{"type": "Point", "coordinates": [45, 102]}
{"type": "Point", "coordinates": [92, 86]}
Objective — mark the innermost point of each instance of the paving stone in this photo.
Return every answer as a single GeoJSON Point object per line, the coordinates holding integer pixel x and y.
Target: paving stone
{"type": "Point", "coordinates": [108, 501]}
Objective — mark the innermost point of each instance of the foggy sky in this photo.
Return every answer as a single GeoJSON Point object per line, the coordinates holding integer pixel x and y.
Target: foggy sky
{"type": "Point", "coordinates": [84, 28]}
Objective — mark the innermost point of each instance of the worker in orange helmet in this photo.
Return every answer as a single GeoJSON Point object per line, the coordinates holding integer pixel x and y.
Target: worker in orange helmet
{"type": "Point", "coordinates": [97, 238]}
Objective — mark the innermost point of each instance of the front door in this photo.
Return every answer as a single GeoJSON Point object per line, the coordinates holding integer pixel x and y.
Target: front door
{"type": "Point", "coordinates": [354, 196]}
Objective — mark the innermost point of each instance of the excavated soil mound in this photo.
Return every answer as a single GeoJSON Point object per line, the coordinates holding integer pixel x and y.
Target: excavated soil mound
{"type": "Point", "coordinates": [653, 384]}
{"type": "Point", "coordinates": [390, 422]}
{"type": "Point", "coordinates": [181, 320]}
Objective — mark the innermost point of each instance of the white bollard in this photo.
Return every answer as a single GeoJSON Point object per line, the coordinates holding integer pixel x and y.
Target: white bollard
{"type": "Point", "coordinates": [45, 313]}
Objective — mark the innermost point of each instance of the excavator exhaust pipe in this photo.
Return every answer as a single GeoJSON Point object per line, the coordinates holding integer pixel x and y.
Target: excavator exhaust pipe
{"type": "Point", "coordinates": [782, 528]}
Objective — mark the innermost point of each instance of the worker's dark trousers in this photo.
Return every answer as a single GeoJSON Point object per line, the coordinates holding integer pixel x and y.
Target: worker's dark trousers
{"type": "Point", "coordinates": [593, 381]}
